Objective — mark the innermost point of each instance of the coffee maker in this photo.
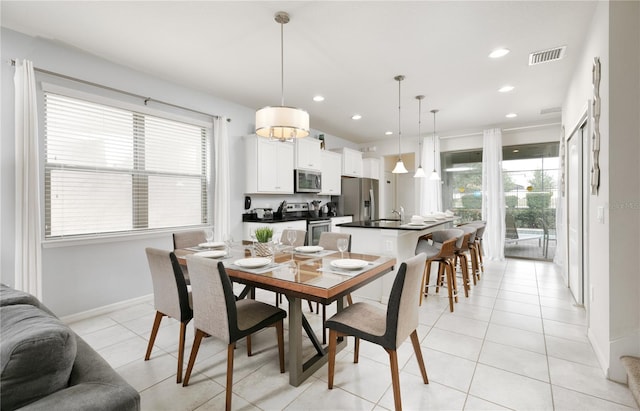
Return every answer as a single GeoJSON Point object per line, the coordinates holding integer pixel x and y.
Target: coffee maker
{"type": "Point", "coordinates": [332, 209]}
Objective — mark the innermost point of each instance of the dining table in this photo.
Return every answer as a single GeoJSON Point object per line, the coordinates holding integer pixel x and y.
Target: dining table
{"type": "Point", "coordinates": [302, 273]}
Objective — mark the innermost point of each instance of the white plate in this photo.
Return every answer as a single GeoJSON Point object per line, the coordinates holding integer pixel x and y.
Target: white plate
{"type": "Point", "coordinates": [252, 262]}
{"type": "Point", "coordinates": [349, 264]}
{"type": "Point", "coordinates": [211, 254]}
{"type": "Point", "coordinates": [412, 223]}
{"type": "Point", "coordinates": [309, 248]}
{"type": "Point", "coordinates": [215, 244]}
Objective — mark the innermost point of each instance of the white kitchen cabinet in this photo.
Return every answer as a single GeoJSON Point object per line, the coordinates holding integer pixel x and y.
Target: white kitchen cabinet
{"type": "Point", "coordinates": [371, 168]}
{"type": "Point", "coordinates": [269, 166]}
{"type": "Point", "coordinates": [307, 154]}
{"type": "Point", "coordinates": [277, 227]}
{"type": "Point", "coordinates": [351, 162]}
{"type": "Point", "coordinates": [331, 170]}
{"type": "Point", "coordinates": [339, 220]}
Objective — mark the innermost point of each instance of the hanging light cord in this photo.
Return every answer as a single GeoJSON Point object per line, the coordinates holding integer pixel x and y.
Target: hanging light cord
{"type": "Point", "coordinates": [434, 139]}
{"type": "Point", "coordinates": [419, 124]}
{"type": "Point", "coordinates": [399, 78]}
{"type": "Point", "coordinates": [282, 62]}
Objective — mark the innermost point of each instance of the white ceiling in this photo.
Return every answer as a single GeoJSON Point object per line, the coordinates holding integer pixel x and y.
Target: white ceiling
{"type": "Point", "coordinates": [348, 52]}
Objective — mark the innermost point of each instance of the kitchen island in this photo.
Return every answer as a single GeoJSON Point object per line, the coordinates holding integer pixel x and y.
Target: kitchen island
{"type": "Point", "coordinates": [391, 238]}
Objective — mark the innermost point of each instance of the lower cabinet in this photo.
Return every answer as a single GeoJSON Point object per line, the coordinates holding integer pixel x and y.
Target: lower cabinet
{"type": "Point", "coordinates": [339, 220]}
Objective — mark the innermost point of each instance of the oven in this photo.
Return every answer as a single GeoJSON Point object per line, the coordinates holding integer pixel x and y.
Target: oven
{"type": "Point", "coordinates": [315, 227]}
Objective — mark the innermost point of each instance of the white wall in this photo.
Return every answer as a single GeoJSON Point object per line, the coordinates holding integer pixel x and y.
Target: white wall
{"type": "Point", "coordinates": [82, 276]}
{"type": "Point", "coordinates": [612, 247]}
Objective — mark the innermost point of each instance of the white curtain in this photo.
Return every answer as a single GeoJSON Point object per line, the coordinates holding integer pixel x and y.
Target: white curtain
{"type": "Point", "coordinates": [559, 232]}
{"type": "Point", "coordinates": [493, 205]}
{"type": "Point", "coordinates": [28, 252]}
{"type": "Point", "coordinates": [429, 191]}
{"type": "Point", "coordinates": [222, 184]}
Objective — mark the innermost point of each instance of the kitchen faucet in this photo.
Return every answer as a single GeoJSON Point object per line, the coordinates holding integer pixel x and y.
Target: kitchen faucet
{"type": "Point", "coordinates": [400, 213]}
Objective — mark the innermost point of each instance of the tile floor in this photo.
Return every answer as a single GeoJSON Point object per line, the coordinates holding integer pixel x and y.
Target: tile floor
{"type": "Point", "coordinates": [517, 342]}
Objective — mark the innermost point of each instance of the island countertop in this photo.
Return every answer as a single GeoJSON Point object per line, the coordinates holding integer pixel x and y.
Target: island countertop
{"type": "Point", "coordinates": [389, 224]}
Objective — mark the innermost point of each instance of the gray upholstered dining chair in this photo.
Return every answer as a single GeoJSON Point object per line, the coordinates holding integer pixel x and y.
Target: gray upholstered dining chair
{"type": "Point", "coordinates": [186, 239]}
{"type": "Point", "coordinates": [441, 250]}
{"type": "Point", "coordinates": [329, 241]}
{"type": "Point", "coordinates": [216, 313]}
{"type": "Point", "coordinates": [388, 329]}
{"type": "Point", "coordinates": [301, 237]}
{"type": "Point", "coordinates": [480, 226]}
{"type": "Point", "coordinates": [171, 298]}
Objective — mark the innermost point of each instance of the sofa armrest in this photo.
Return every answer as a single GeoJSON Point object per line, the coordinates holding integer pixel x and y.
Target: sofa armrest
{"type": "Point", "coordinates": [93, 385]}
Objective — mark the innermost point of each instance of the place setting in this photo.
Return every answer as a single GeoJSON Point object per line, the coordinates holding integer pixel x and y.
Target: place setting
{"type": "Point", "coordinates": [312, 250]}
{"type": "Point", "coordinates": [255, 265]}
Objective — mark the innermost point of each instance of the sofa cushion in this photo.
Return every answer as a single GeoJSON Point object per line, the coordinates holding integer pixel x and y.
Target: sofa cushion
{"type": "Point", "coordinates": [37, 353]}
{"type": "Point", "coordinates": [11, 296]}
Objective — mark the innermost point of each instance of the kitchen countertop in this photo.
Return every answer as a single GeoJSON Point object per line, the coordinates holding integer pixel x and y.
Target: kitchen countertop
{"type": "Point", "coordinates": [251, 218]}
{"type": "Point", "coordinates": [388, 224]}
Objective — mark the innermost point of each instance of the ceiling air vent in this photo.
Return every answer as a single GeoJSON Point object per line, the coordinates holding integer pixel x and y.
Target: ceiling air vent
{"type": "Point", "coordinates": [546, 56]}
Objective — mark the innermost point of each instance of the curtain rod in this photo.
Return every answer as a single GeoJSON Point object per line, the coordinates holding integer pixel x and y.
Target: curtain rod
{"type": "Point", "coordinates": [143, 98]}
{"type": "Point", "coordinates": [479, 133]}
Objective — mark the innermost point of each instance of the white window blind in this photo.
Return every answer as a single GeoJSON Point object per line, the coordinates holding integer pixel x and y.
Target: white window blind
{"type": "Point", "coordinates": [110, 170]}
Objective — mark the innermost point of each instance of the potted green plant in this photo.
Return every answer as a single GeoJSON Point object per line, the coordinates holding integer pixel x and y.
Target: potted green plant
{"type": "Point", "coordinates": [263, 236]}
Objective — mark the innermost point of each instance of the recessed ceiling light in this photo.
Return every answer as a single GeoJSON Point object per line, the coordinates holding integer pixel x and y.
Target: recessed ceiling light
{"type": "Point", "coordinates": [318, 98]}
{"type": "Point", "coordinates": [511, 115]}
{"type": "Point", "coordinates": [516, 151]}
{"type": "Point", "coordinates": [356, 117]}
{"type": "Point", "coordinates": [388, 133]}
{"type": "Point", "coordinates": [497, 53]}
{"type": "Point", "coordinates": [505, 89]}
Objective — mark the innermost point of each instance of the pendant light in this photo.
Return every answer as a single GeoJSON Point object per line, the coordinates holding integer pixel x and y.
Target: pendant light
{"type": "Point", "coordinates": [419, 171]}
{"type": "Point", "coordinates": [434, 174]}
{"type": "Point", "coordinates": [399, 168]}
{"type": "Point", "coordinates": [281, 122]}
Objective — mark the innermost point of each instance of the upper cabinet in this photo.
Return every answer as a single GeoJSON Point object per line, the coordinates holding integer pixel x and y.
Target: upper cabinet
{"type": "Point", "coordinates": [331, 166]}
{"type": "Point", "coordinates": [371, 168]}
{"type": "Point", "coordinates": [307, 154]}
{"type": "Point", "coordinates": [269, 166]}
{"type": "Point", "coordinates": [351, 162]}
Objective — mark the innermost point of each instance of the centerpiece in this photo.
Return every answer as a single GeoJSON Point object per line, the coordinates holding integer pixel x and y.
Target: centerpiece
{"type": "Point", "coordinates": [263, 236]}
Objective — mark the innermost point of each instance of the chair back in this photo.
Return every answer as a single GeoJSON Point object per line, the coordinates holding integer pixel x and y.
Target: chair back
{"type": "Point", "coordinates": [480, 225]}
{"type": "Point", "coordinates": [440, 236]}
{"type": "Point", "coordinates": [301, 237]}
{"type": "Point", "coordinates": [188, 239]}
{"type": "Point", "coordinates": [402, 310]}
{"type": "Point", "coordinates": [469, 235]}
{"type": "Point", "coordinates": [170, 294]}
{"type": "Point", "coordinates": [329, 241]}
{"type": "Point", "coordinates": [214, 305]}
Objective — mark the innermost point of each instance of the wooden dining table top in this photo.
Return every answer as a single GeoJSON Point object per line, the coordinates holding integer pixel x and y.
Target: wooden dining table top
{"type": "Point", "coordinates": [303, 275]}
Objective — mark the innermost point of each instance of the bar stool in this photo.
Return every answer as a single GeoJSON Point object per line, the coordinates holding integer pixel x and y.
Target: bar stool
{"type": "Point", "coordinates": [442, 250]}
{"type": "Point", "coordinates": [480, 226]}
{"type": "Point", "coordinates": [468, 239]}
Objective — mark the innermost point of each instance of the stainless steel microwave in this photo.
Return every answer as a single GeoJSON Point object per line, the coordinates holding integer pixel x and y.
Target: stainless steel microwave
{"type": "Point", "coordinates": [307, 181]}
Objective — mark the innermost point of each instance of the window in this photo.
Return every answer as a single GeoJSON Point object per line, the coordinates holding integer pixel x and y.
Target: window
{"type": "Point", "coordinates": [109, 169]}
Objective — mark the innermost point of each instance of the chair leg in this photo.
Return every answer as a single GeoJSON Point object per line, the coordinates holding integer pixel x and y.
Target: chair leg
{"type": "Point", "coordinates": [230, 348]}
{"type": "Point", "coordinates": [311, 306]}
{"type": "Point", "coordinates": [280, 336]}
{"type": "Point", "coordinates": [324, 320]}
{"type": "Point", "coordinates": [349, 299]}
{"type": "Point", "coordinates": [465, 275]}
{"type": "Point", "coordinates": [183, 333]}
{"type": "Point", "coordinates": [418, 351]}
{"type": "Point", "coordinates": [479, 248]}
{"type": "Point", "coordinates": [454, 279]}
{"type": "Point", "coordinates": [194, 353]}
{"type": "Point", "coordinates": [333, 340]}
{"type": "Point", "coordinates": [249, 354]}
{"type": "Point", "coordinates": [449, 287]}
{"type": "Point", "coordinates": [395, 379]}
{"type": "Point", "coordinates": [474, 263]}
{"type": "Point", "coordinates": [356, 350]}
{"type": "Point", "coordinates": [154, 333]}
{"type": "Point", "coordinates": [424, 282]}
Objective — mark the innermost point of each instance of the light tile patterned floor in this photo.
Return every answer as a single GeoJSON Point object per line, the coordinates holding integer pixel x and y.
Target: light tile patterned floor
{"type": "Point", "coordinates": [518, 342]}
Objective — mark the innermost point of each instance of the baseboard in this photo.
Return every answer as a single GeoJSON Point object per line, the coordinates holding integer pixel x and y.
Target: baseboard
{"type": "Point", "coordinates": [106, 309]}
{"type": "Point", "coordinates": [602, 358]}
{"type": "Point", "coordinates": [626, 345]}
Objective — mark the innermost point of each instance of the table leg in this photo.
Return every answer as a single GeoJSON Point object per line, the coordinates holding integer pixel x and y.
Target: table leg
{"type": "Point", "coordinates": [299, 369]}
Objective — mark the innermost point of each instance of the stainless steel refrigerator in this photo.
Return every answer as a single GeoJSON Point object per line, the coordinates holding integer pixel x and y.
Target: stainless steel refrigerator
{"type": "Point", "coordinates": [359, 198]}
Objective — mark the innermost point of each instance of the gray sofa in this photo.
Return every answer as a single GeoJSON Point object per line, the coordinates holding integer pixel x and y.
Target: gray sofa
{"type": "Point", "coordinates": [44, 365]}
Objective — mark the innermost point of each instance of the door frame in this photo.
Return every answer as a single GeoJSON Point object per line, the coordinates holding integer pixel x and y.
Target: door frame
{"type": "Point", "coordinates": [583, 121]}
